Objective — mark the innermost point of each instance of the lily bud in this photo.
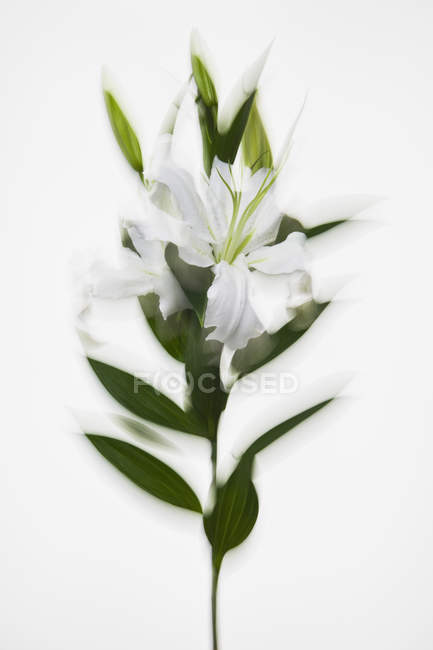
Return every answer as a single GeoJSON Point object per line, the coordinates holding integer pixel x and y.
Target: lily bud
{"type": "Point", "coordinates": [241, 92]}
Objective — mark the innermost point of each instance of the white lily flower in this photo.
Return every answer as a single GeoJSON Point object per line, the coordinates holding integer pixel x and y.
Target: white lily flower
{"type": "Point", "coordinates": [228, 222]}
{"type": "Point", "coordinates": [228, 226]}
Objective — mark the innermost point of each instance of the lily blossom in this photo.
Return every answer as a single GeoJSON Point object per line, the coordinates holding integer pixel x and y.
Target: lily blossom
{"type": "Point", "coordinates": [230, 226]}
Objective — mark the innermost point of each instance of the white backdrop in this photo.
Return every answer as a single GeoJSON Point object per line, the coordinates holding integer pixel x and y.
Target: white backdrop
{"type": "Point", "coordinates": [342, 552]}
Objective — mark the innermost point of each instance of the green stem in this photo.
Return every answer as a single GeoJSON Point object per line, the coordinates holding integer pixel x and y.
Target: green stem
{"type": "Point", "coordinates": [215, 568]}
{"type": "Point", "coordinates": [214, 605]}
{"type": "Point", "coordinates": [213, 458]}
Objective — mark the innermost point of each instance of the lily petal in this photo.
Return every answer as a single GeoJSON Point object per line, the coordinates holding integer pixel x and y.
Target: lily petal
{"type": "Point", "coordinates": [135, 276]}
{"type": "Point", "coordinates": [275, 297]}
{"type": "Point", "coordinates": [159, 226]}
{"type": "Point", "coordinates": [220, 205]}
{"type": "Point", "coordinates": [171, 296]}
{"type": "Point", "coordinates": [198, 253]}
{"type": "Point", "coordinates": [337, 207]}
{"type": "Point", "coordinates": [229, 309]}
{"type": "Point", "coordinates": [228, 376]}
{"type": "Point", "coordinates": [288, 141]}
{"type": "Point", "coordinates": [165, 228]}
{"type": "Point", "coordinates": [264, 222]}
{"type": "Point", "coordinates": [287, 257]}
{"type": "Point", "coordinates": [241, 91]}
{"type": "Point", "coordinates": [169, 120]}
{"type": "Point", "coordinates": [130, 278]}
{"type": "Point", "coordinates": [189, 203]}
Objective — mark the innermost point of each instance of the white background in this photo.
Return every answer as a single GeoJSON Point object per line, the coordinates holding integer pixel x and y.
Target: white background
{"type": "Point", "coordinates": [341, 556]}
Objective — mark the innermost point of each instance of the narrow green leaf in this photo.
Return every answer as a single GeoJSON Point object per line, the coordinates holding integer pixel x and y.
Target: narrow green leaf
{"type": "Point", "coordinates": [255, 144]}
{"type": "Point", "coordinates": [146, 471]}
{"type": "Point", "coordinates": [235, 512]}
{"type": "Point", "coordinates": [141, 431]}
{"type": "Point", "coordinates": [227, 144]}
{"type": "Point", "coordinates": [144, 401]}
{"type": "Point", "coordinates": [123, 132]}
{"type": "Point", "coordinates": [323, 227]}
{"type": "Point", "coordinates": [207, 117]}
{"type": "Point", "coordinates": [280, 430]}
{"type": "Point", "coordinates": [289, 225]}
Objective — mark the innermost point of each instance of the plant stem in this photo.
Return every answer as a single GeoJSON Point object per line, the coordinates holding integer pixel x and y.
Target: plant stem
{"type": "Point", "coordinates": [215, 569]}
{"type": "Point", "coordinates": [213, 458]}
{"type": "Point", "coordinates": [214, 604]}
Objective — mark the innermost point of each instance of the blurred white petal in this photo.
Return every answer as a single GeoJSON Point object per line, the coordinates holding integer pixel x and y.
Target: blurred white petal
{"type": "Point", "coordinates": [200, 49]}
{"type": "Point", "coordinates": [198, 253]}
{"type": "Point", "coordinates": [228, 376]}
{"type": "Point", "coordinates": [135, 276]}
{"type": "Point", "coordinates": [288, 142]}
{"type": "Point", "coordinates": [151, 252]}
{"type": "Point", "coordinates": [190, 205]}
{"type": "Point", "coordinates": [159, 226]}
{"type": "Point", "coordinates": [286, 257]}
{"type": "Point", "coordinates": [241, 91]}
{"type": "Point", "coordinates": [275, 297]}
{"type": "Point", "coordinates": [264, 222]}
{"type": "Point", "coordinates": [128, 278]}
{"type": "Point", "coordinates": [169, 120]}
{"type": "Point", "coordinates": [229, 309]}
{"type": "Point", "coordinates": [270, 298]}
{"type": "Point", "coordinates": [220, 205]}
{"type": "Point", "coordinates": [171, 296]}
{"type": "Point", "coordinates": [337, 207]}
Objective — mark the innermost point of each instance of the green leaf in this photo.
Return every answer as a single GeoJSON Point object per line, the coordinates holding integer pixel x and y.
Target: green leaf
{"type": "Point", "coordinates": [207, 117]}
{"type": "Point", "coordinates": [202, 359]}
{"type": "Point", "coordinates": [280, 430]}
{"type": "Point", "coordinates": [171, 332]}
{"type": "Point", "coordinates": [266, 347]}
{"type": "Point", "coordinates": [144, 401]}
{"type": "Point", "coordinates": [123, 132]}
{"type": "Point", "coordinates": [227, 144]}
{"type": "Point", "coordinates": [289, 225]}
{"type": "Point", "coordinates": [323, 227]}
{"type": "Point", "coordinates": [255, 144]}
{"type": "Point", "coordinates": [141, 431]}
{"type": "Point", "coordinates": [146, 471]}
{"type": "Point", "coordinates": [235, 512]}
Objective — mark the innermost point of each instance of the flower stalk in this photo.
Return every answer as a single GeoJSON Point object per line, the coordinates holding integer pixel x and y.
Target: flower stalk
{"type": "Point", "coordinates": [214, 604]}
